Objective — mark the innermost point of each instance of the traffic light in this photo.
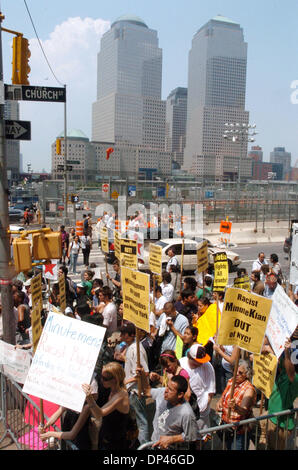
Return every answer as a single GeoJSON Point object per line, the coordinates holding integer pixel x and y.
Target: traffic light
{"type": "Point", "coordinates": [20, 61]}
{"type": "Point", "coordinates": [58, 146]}
{"type": "Point", "coordinates": [22, 254]}
{"type": "Point", "coordinates": [74, 198]}
{"type": "Point", "coordinates": [47, 246]}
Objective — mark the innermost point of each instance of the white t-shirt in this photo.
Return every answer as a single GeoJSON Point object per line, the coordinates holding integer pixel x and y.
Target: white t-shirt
{"type": "Point", "coordinates": [159, 303]}
{"type": "Point", "coordinates": [131, 364]}
{"type": "Point", "coordinates": [167, 291]}
{"type": "Point", "coordinates": [110, 318]}
{"type": "Point", "coordinates": [202, 382]}
{"type": "Point", "coordinates": [226, 365]}
{"type": "Point", "coordinates": [172, 262]}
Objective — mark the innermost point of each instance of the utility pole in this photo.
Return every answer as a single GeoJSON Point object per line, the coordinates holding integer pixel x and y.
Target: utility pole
{"type": "Point", "coordinates": [66, 219]}
{"type": "Point", "coordinates": [6, 270]}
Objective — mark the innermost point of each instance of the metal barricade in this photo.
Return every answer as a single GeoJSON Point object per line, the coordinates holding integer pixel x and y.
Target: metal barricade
{"type": "Point", "coordinates": [257, 433]}
{"type": "Point", "coordinates": [20, 418]}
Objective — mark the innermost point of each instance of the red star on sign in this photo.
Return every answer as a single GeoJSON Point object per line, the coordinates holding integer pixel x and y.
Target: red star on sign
{"type": "Point", "coordinates": [49, 268]}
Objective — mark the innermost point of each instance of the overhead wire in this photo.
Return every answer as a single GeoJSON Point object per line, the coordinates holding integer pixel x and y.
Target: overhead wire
{"type": "Point", "coordinates": [40, 44]}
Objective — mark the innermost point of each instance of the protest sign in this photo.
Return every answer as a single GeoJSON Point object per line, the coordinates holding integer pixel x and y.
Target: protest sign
{"type": "Point", "coordinates": [155, 255]}
{"type": "Point", "coordinates": [62, 293]}
{"type": "Point", "coordinates": [136, 300]}
{"type": "Point", "coordinates": [242, 283]}
{"type": "Point", "coordinates": [264, 372]}
{"type": "Point", "coordinates": [117, 239]}
{"type": "Point", "coordinates": [36, 326]}
{"type": "Point", "coordinates": [15, 363]}
{"type": "Point", "coordinates": [128, 253]}
{"type": "Point", "coordinates": [282, 321]}
{"type": "Point", "coordinates": [139, 237]}
{"type": "Point", "coordinates": [244, 320]}
{"type": "Point", "coordinates": [104, 239]}
{"type": "Point", "coordinates": [64, 359]}
{"type": "Point", "coordinates": [202, 257]}
{"type": "Point", "coordinates": [36, 292]}
{"type": "Point", "coordinates": [221, 272]}
{"type": "Point", "coordinates": [50, 270]}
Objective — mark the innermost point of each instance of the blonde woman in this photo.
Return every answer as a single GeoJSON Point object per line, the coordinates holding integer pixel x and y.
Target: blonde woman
{"type": "Point", "coordinates": [115, 412]}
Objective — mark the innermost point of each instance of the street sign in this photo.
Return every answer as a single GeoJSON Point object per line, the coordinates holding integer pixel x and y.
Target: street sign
{"type": "Point", "coordinates": [34, 93]}
{"type": "Point", "coordinates": [105, 188]}
{"type": "Point", "coordinates": [115, 194]}
{"type": "Point", "coordinates": [61, 168]}
{"type": "Point", "coordinates": [18, 130]}
{"type": "Point", "coordinates": [73, 162]}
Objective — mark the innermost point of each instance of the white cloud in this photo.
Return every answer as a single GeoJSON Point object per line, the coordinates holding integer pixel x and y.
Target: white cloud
{"type": "Point", "coordinates": [71, 50]}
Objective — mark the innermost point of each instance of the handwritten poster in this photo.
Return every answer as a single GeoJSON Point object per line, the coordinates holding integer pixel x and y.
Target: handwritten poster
{"type": "Point", "coordinates": [264, 372]}
{"type": "Point", "coordinates": [136, 297]}
{"type": "Point", "coordinates": [15, 363]}
{"type": "Point", "coordinates": [282, 321]}
{"type": "Point", "coordinates": [64, 359]}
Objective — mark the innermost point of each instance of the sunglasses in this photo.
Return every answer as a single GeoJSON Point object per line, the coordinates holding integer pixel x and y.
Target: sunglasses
{"type": "Point", "coordinates": [106, 379]}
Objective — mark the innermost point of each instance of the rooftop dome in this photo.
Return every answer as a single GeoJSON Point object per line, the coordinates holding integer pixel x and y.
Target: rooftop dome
{"type": "Point", "coordinates": [75, 134]}
{"type": "Point", "coordinates": [130, 19]}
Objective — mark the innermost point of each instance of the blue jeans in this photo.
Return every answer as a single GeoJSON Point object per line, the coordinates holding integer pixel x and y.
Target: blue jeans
{"type": "Point", "coordinates": [139, 406]}
{"type": "Point", "coordinates": [238, 443]}
{"type": "Point", "coordinates": [73, 262]}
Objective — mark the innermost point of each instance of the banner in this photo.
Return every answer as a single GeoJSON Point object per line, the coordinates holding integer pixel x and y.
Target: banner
{"type": "Point", "coordinates": [244, 319]}
{"type": "Point", "coordinates": [65, 359]}
{"type": "Point", "coordinates": [128, 253]}
{"type": "Point", "coordinates": [136, 297]}
{"type": "Point", "coordinates": [221, 272]}
{"type": "Point", "coordinates": [264, 372]}
{"type": "Point", "coordinates": [104, 239]}
{"type": "Point", "coordinates": [139, 237]}
{"type": "Point", "coordinates": [62, 293]}
{"type": "Point", "coordinates": [15, 363]}
{"type": "Point", "coordinates": [283, 320]}
{"type": "Point", "coordinates": [202, 257]}
{"type": "Point", "coordinates": [155, 259]}
{"type": "Point", "coordinates": [242, 283]}
{"type": "Point", "coordinates": [50, 271]}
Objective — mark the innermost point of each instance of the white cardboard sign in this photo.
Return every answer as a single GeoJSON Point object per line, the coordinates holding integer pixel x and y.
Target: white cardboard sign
{"type": "Point", "coordinates": [282, 321]}
{"type": "Point", "coordinates": [15, 363]}
{"type": "Point", "coordinates": [64, 359]}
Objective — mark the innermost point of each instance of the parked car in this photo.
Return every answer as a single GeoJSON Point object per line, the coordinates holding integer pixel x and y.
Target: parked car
{"type": "Point", "coordinates": [190, 254]}
{"type": "Point", "coordinates": [15, 215]}
{"type": "Point", "coordinates": [287, 245]}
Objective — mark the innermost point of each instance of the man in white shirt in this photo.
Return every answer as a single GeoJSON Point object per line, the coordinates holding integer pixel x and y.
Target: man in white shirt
{"type": "Point", "coordinates": [127, 334]}
{"type": "Point", "coordinates": [109, 312]}
{"type": "Point", "coordinates": [258, 263]}
{"type": "Point", "coordinates": [166, 286]}
{"type": "Point", "coordinates": [172, 265]}
{"type": "Point", "coordinates": [159, 302]}
{"type": "Point", "coordinates": [201, 380]}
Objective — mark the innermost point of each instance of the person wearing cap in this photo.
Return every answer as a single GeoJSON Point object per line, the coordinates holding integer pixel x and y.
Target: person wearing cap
{"type": "Point", "coordinates": [127, 334]}
{"type": "Point", "coordinates": [202, 382]}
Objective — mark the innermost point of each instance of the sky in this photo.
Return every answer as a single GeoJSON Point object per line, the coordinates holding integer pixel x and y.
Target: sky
{"type": "Point", "coordinates": [70, 33]}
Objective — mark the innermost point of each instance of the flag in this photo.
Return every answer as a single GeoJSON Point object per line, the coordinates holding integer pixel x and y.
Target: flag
{"type": "Point", "coordinates": [109, 151]}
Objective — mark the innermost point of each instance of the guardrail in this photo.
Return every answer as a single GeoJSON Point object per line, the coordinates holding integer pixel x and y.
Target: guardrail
{"type": "Point", "coordinates": [256, 434]}
{"type": "Point", "coordinates": [20, 418]}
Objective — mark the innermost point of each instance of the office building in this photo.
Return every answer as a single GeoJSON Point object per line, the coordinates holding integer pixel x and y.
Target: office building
{"type": "Point", "coordinates": [279, 155]}
{"type": "Point", "coordinates": [176, 114]}
{"type": "Point", "coordinates": [216, 95]}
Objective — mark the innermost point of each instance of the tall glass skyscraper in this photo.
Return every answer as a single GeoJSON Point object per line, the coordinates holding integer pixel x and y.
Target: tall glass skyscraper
{"type": "Point", "coordinates": [176, 113]}
{"type": "Point", "coordinates": [129, 109]}
{"type": "Point", "coordinates": [216, 91]}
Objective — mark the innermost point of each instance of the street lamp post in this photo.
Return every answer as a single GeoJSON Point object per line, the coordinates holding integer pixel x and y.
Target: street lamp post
{"type": "Point", "coordinates": [239, 133]}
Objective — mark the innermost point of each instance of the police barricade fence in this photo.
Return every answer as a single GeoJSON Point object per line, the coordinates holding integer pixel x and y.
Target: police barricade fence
{"type": "Point", "coordinates": [20, 417]}
{"type": "Point", "coordinates": [255, 434]}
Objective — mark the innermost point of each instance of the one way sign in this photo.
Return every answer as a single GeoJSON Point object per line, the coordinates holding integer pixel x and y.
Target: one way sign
{"type": "Point", "coordinates": [18, 130]}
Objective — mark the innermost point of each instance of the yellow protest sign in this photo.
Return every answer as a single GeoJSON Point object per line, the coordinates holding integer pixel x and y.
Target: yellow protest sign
{"type": "Point", "coordinates": [202, 257]}
{"type": "Point", "coordinates": [242, 283]}
{"type": "Point", "coordinates": [264, 372]}
{"type": "Point", "coordinates": [104, 239]}
{"type": "Point", "coordinates": [36, 292]}
{"type": "Point", "coordinates": [117, 238]}
{"type": "Point", "coordinates": [155, 255]}
{"type": "Point", "coordinates": [36, 326]}
{"type": "Point", "coordinates": [136, 297]}
{"type": "Point", "coordinates": [129, 253]}
{"type": "Point", "coordinates": [221, 272]}
{"type": "Point", "coordinates": [179, 347]}
{"type": "Point", "coordinates": [244, 319]}
{"type": "Point", "coordinates": [62, 293]}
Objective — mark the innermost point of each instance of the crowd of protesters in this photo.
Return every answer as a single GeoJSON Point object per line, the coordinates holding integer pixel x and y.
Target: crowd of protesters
{"type": "Point", "coordinates": [181, 366]}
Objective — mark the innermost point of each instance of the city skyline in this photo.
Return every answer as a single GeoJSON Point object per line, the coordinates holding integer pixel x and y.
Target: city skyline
{"type": "Point", "coordinates": [270, 34]}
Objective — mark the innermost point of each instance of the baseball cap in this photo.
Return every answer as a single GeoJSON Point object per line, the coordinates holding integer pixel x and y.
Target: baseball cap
{"type": "Point", "coordinates": [68, 310]}
{"type": "Point", "coordinates": [198, 354]}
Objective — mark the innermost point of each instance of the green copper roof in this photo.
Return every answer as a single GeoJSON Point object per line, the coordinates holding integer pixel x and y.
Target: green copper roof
{"type": "Point", "coordinates": [75, 134]}
{"type": "Point", "coordinates": [224, 19]}
{"type": "Point", "coordinates": [130, 19]}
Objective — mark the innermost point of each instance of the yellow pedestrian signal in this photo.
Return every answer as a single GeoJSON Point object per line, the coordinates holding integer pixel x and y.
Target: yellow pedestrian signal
{"type": "Point", "coordinates": [47, 246]}
{"type": "Point", "coordinates": [20, 61]}
{"type": "Point", "coordinates": [22, 254]}
{"type": "Point", "coordinates": [58, 146]}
